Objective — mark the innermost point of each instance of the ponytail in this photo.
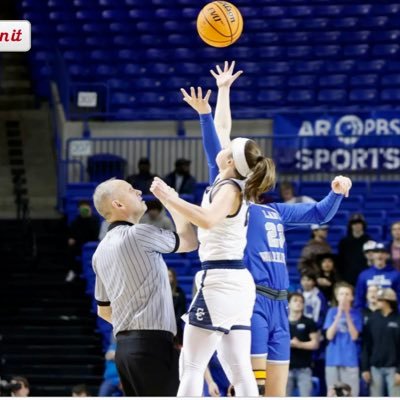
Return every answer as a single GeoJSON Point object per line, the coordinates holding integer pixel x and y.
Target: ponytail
{"type": "Point", "coordinates": [262, 177]}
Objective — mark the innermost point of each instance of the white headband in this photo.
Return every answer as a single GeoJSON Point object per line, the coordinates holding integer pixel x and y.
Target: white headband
{"type": "Point", "coordinates": [239, 156]}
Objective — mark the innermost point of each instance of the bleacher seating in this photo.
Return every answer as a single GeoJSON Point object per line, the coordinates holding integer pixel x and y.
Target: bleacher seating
{"type": "Point", "coordinates": [318, 54]}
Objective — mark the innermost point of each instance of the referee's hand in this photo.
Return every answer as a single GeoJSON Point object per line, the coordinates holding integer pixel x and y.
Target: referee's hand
{"type": "Point", "coordinates": [161, 190]}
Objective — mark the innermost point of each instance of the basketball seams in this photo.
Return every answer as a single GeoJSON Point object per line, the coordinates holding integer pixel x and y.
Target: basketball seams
{"type": "Point", "coordinates": [212, 26]}
{"type": "Point", "coordinates": [239, 19]}
{"type": "Point", "coordinates": [226, 17]}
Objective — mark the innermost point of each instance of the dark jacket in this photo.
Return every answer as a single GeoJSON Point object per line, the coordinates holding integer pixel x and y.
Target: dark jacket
{"type": "Point", "coordinates": [381, 346]}
{"type": "Point", "coordinates": [141, 182]}
{"type": "Point", "coordinates": [188, 185]}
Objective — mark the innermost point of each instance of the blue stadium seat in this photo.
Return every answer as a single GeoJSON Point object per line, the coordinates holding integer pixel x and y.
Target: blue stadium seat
{"type": "Point", "coordinates": [393, 65]}
{"type": "Point", "coordinates": [294, 37]}
{"type": "Point", "coordinates": [298, 234]}
{"type": "Point", "coordinates": [180, 265]}
{"type": "Point", "coordinates": [256, 25]}
{"type": "Point", "coordinates": [179, 40]}
{"type": "Point", "coordinates": [385, 188]}
{"type": "Point", "coordinates": [122, 99]}
{"type": "Point", "coordinates": [375, 217]}
{"type": "Point", "coordinates": [326, 37]}
{"type": "Point", "coordinates": [147, 98]}
{"type": "Point", "coordinates": [308, 66]}
{"type": "Point", "coordinates": [364, 80]}
{"type": "Point", "coordinates": [373, 22]}
{"type": "Point", "coordinates": [344, 23]}
{"type": "Point", "coordinates": [315, 189]}
{"type": "Point", "coordinates": [141, 14]}
{"type": "Point", "coordinates": [62, 16]}
{"type": "Point", "coordinates": [392, 95]}
{"type": "Point", "coordinates": [271, 81]}
{"type": "Point", "coordinates": [379, 202]}
{"type": "Point", "coordinates": [278, 67]}
{"type": "Point", "coordinates": [270, 52]}
{"type": "Point", "coordinates": [356, 9]}
{"type": "Point", "coordinates": [371, 66]}
{"type": "Point", "coordinates": [70, 42]}
{"type": "Point", "coordinates": [335, 233]}
{"type": "Point", "coordinates": [294, 248]}
{"type": "Point", "coordinates": [301, 81]}
{"type": "Point", "coordinates": [356, 50]}
{"type": "Point", "coordinates": [340, 66]}
{"type": "Point", "coordinates": [301, 96]}
{"type": "Point", "coordinates": [168, 13]}
{"type": "Point", "coordinates": [273, 11]}
{"type": "Point", "coordinates": [385, 50]}
{"type": "Point", "coordinates": [333, 80]}
{"type": "Point", "coordinates": [341, 218]}
{"type": "Point", "coordinates": [132, 69]}
{"type": "Point", "coordinates": [376, 232]}
{"type": "Point", "coordinates": [104, 70]}
{"type": "Point", "coordinates": [177, 83]}
{"type": "Point", "coordinates": [313, 24]}
{"type": "Point", "coordinates": [300, 11]}
{"type": "Point", "coordinates": [283, 24]}
{"type": "Point", "coordinates": [162, 69]}
{"type": "Point", "coordinates": [332, 96]}
{"type": "Point", "coordinates": [353, 203]}
{"type": "Point", "coordinates": [190, 13]}
{"type": "Point", "coordinates": [270, 96]}
{"type": "Point", "coordinates": [299, 51]}
{"type": "Point", "coordinates": [242, 97]}
{"type": "Point", "coordinates": [385, 36]}
{"type": "Point", "coordinates": [359, 187]}
{"type": "Point", "coordinates": [189, 69]}
{"type": "Point", "coordinates": [355, 37]}
{"type": "Point", "coordinates": [393, 216]}
{"type": "Point", "coordinates": [92, 14]}
{"type": "Point", "coordinates": [385, 9]}
{"type": "Point", "coordinates": [326, 51]}
{"type": "Point", "coordinates": [363, 95]}
{"type": "Point", "coordinates": [116, 15]}
{"type": "Point", "coordinates": [327, 10]}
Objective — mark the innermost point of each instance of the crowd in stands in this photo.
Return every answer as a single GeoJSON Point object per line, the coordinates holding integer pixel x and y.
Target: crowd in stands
{"type": "Point", "coordinates": [343, 315]}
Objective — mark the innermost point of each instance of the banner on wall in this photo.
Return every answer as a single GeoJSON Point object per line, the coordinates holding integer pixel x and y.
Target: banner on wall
{"type": "Point", "coordinates": [309, 142]}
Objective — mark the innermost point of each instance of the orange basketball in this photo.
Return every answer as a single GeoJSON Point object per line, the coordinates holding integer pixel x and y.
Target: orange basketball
{"type": "Point", "coordinates": [220, 24]}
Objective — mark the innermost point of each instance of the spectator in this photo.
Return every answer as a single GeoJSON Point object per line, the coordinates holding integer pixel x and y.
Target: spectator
{"type": "Point", "coordinates": [142, 180]}
{"type": "Point", "coordinates": [381, 348]}
{"type": "Point", "coordinates": [315, 246]}
{"type": "Point", "coordinates": [80, 391]}
{"type": "Point", "coordinates": [288, 195]}
{"type": "Point", "coordinates": [372, 302]}
{"type": "Point", "coordinates": [24, 389]}
{"type": "Point", "coordinates": [351, 260]}
{"type": "Point", "coordinates": [179, 299]}
{"type": "Point", "coordinates": [368, 250]}
{"type": "Point", "coordinates": [380, 274]}
{"type": "Point", "coordinates": [314, 301]}
{"type": "Point", "coordinates": [155, 215]}
{"type": "Point", "coordinates": [111, 385]}
{"type": "Point", "coordinates": [394, 245]}
{"type": "Point", "coordinates": [304, 339]}
{"type": "Point", "coordinates": [340, 389]}
{"type": "Point", "coordinates": [180, 179]}
{"type": "Point", "coordinates": [343, 325]}
{"type": "Point", "coordinates": [84, 228]}
{"type": "Point", "coordinates": [327, 276]}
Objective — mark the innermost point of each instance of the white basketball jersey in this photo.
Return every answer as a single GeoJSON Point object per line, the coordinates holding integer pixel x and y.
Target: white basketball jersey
{"type": "Point", "coordinates": [226, 240]}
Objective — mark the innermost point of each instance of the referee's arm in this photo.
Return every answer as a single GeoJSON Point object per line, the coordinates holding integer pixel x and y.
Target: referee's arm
{"type": "Point", "coordinates": [103, 303]}
{"type": "Point", "coordinates": [185, 231]}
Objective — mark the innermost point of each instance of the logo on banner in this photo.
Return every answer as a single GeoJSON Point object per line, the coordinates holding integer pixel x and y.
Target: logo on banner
{"type": "Point", "coordinates": [349, 129]}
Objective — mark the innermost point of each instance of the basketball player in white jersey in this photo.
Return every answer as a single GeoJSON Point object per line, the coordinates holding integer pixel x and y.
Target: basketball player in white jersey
{"type": "Point", "coordinates": [219, 316]}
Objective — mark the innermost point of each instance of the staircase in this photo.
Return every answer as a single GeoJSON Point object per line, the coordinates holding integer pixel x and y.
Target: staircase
{"type": "Point", "coordinates": [47, 332]}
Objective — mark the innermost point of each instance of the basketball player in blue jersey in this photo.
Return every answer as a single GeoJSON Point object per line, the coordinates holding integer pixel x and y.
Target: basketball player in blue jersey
{"type": "Point", "coordinates": [265, 253]}
{"type": "Point", "coordinates": [220, 314]}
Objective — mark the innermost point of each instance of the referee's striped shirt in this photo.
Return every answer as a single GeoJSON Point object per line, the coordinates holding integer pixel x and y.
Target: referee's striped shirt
{"type": "Point", "coordinates": [132, 277]}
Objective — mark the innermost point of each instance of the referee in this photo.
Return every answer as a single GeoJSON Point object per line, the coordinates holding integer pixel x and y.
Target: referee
{"type": "Point", "coordinates": [133, 291]}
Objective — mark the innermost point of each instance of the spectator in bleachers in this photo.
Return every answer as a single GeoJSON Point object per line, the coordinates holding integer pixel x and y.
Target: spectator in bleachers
{"type": "Point", "coordinates": [155, 215]}
{"type": "Point", "coordinates": [381, 347]}
{"type": "Point", "coordinates": [179, 299]}
{"type": "Point", "coordinates": [24, 389]}
{"type": "Point", "coordinates": [80, 391]}
{"type": "Point", "coordinates": [372, 302]}
{"type": "Point", "coordinates": [327, 276]}
{"type": "Point", "coordinates": [394, 245]}
{"type": "Point", "coordinates": [314, 301]}
{"type": "Point", "coordinates": [343, 325]}
{"type": "Point", "coordinates": [84, 228]}
{"type": "Point", "coordinates": [304, 339]}
{"type": "Point", "coordinates": [380, 274]}
{"type": "Point", "coordinates": [288, 195]}
{"type": "Point", "coordinates": [111, 385]}
{"type": "Point", "coordinates": [142, 180]}
{"type": "Point", "coordinates": [315, 246]}
{"type": "Point", "coordinates": [351, 260]}
{"type": "Point", "coordinates": [180, 179]}
{"type": "Point", "coordinates": [368, 250]}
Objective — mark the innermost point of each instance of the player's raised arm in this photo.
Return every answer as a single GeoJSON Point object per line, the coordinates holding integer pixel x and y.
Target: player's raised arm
{"type": "Point", "coordinates": [223, 119]}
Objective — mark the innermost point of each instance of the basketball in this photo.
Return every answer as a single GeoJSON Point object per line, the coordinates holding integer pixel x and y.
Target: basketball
{"type": "Point", "coordinates": [220, 24]}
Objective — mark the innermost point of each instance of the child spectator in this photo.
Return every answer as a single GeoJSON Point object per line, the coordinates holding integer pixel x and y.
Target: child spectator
{"type": "Point", "coordinates": [343, 325]}
{"type": "Point", "coordinates": [372, 302]}
{"type": "Point", "coordinates": [394, 246]}
{"type": "Point", "coordinates": [304, 339]}
{"type": "Point", "coordinates": [381, 349]}
{"type": "Point", "coordinates": [314, 301]}
{"type": "Point", "coordinates": [380, 274]}
{"type": "Point", "coordinates": [327, 276]}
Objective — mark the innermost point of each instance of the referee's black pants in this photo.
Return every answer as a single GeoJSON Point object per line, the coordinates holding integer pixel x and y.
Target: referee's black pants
{"type": "Point", "coordinates": [147, 363]}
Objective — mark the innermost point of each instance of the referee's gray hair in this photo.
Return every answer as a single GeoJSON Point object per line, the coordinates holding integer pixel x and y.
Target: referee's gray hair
{"type": "Point", "coordinates": [102, 193]}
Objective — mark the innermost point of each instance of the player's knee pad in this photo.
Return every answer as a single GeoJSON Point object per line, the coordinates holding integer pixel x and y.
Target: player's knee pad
{"type": "Point", "coordinates": [261, 376]}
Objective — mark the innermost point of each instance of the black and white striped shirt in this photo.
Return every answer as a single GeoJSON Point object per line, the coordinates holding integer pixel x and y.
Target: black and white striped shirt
{"type": "Point", "coordinates": [132, 277]}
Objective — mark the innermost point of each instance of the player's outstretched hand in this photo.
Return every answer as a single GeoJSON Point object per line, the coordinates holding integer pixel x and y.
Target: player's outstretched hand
{"type": "Point", "coordinates": [226, 77]}
{"type": "Point", "coordinates": [341, 185]}
{"type": "Point", "coordinates": [161, 190]}
{"type": "Point", "coordinates": [197, 102]}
